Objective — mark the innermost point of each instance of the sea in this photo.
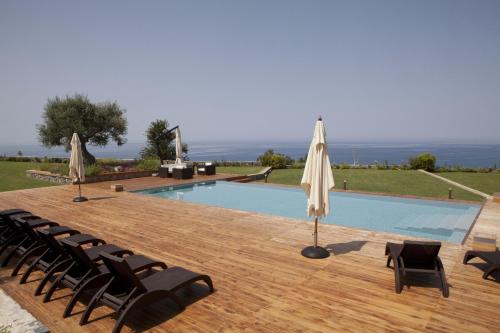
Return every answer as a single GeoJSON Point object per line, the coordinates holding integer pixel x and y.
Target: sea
{"type": "Point", "coordinates": [448, 154]}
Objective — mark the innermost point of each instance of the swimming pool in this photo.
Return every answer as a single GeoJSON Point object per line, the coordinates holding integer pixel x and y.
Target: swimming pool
{"type": "Point", "coordinates": [437, 220]}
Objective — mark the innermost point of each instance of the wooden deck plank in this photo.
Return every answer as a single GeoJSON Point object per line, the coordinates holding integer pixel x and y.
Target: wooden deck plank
{"type": "Point", "coordinates": [262, 282]}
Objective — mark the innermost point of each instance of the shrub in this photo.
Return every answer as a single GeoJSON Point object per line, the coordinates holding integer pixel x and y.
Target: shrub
{"type": "Point", "coordinates": [298, 165]}
{"type": "Point", "coordinates": [57, 168]}
{"type": "Point", "coordinates": [92, 170]}
{"type": "Point", "coordinates": [149, 165]}
{"type": "Point", "coordinates": [426, 161]}
{"type": "Point", "coordinates": [109, 161]}
{"type": "Point", "coordinates": [275, 160]}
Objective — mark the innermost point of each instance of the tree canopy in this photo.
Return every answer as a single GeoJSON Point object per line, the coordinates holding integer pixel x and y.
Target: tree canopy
{"type": "Point", "coordinates": [160, 144]}
{"type": "Point", "coordinates": [426, 161]}
{"type": "Point", "coordinates": [275, 160]}
{"type": "Point", "coordinates": [95, 123]}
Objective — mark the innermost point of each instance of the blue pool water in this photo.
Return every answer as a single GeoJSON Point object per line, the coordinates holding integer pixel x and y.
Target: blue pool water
{"type": "Point", "coordinates": [414, 217]}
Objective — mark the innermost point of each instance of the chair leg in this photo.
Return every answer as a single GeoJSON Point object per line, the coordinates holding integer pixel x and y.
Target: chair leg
{"type": "Point", "coordinates": [10, 242]}
{"type": "Point", "coordinates": [444, 284]}
{"type": "Point", "coordinates": [55, 284]}
{"type": "Point", "coordinates": [31, 267]}
{"type": "Point", "coordinates": [94, 301]}
{"type": "Point", "coordinates": [57, 268]}
{"type": "Point", "coordinates": [490, 270]}
{"type": "Point", "coordinates": [389, 258]}
{"type": "Point", "coordinates": [11, 255]}
{"type": "Point", "coordinates": [25, 257]}
{"type": "Point", "coordinates": [468, 256]}
{"type": "Point", "coordinates": [208, 281]}
{"type": "Point", "coordinates": [397, 277]}
{"type": "Point", "coordinates": [91, 283]}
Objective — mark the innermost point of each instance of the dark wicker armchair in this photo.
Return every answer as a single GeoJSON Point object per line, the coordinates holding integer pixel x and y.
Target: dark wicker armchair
{"type": "Point", "coordinates": [206, 169]}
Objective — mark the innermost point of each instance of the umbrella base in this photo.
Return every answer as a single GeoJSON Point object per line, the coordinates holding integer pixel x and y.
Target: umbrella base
{"type": "Point", "coordinates": [80, 199]}
{"type": "Point", "coordinates": [315, 252]}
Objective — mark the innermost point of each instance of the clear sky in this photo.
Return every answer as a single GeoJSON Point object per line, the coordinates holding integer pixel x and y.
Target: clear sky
{"type": "Point", "coordinates": [246, 70]}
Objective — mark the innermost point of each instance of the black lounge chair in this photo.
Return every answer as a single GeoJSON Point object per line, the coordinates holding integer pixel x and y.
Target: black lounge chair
{"type": "Point", "coordinates": [83, 265]}
{"type": "Point", "coordinates": [54, 252]}
{"type": "Point", "coordinates": [11, 232]}
{"type": "Point", "coordinates": [126, 292]}
{"type": "Point", "coordinates": [38, 246]}
{"type": "Point", "coordinates": [5, 215]}
{"type": "Point", "coordinates": [416, 257]}
{"type": "Point", "coordinates": [138, 264]}
{"type": "Point", "coordinates": [491, 258]}
{"type": "Point", "coordinates": [25, 241]}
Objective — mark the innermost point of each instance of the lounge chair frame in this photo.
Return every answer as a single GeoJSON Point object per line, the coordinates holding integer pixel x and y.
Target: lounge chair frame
{"type": "Point", "coordinates": [136, 294]}
{"type": "Point", "coordinates": [491, 258]}
{"type": "Point", "coordinates": [416, 257]}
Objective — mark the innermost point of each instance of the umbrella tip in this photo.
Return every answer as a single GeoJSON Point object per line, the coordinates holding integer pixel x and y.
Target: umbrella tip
{"type": "Point", "coordinates": [319, 118]}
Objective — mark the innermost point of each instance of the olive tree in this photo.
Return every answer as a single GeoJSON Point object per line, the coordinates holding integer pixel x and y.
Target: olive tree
{"type": "Point", "coordinates": [95, 123]}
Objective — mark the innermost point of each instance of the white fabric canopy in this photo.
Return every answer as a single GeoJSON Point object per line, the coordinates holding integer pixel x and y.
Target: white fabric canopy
{"type": "Point", "coordinates": [317, 179]}
{"type": "Point", "coordinates": [178, 146]}
{"type": "Point", "coordinates": [76, 168]}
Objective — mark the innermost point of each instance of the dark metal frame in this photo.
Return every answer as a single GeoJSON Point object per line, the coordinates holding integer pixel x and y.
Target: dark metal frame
{"type": "Point", "coordinates": [491, 258]}
{"type": "Point", "coordinates": [416, 257]}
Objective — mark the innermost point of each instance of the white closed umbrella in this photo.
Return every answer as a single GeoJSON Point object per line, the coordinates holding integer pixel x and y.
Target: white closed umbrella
{"type": "Point", "coordinates": [317, 181]}
{"type": "Point", "coordinates": [178, 146]}
{"type": "Point", "coordinates": [76, 167]}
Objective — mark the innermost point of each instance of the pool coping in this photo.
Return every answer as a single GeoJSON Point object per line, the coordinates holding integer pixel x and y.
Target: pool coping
{"type": "Point", "coordinates": [461, 243]}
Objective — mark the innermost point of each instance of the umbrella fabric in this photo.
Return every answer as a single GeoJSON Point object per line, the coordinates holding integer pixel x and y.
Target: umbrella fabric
{"type": "Point", "coordinates": [76, 168]}
{"type": "Point", "coordinates": [317, 179]}
{"type": "Point", "coordinates": [178, 146]}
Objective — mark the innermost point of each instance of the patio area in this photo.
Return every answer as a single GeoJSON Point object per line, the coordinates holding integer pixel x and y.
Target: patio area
{"type": "Point", "coordinates": [262, 282]}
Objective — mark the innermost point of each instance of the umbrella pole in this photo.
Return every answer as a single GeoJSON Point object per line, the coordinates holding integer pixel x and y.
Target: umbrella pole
{"type": "Point", "coordinates": [79, 198]}
{"type": "Point", "coordinates": [316, 232]}
{"type": "Point", "coordinates": [315, 251]}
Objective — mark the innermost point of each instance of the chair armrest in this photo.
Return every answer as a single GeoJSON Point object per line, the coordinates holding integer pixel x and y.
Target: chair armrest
{"type": "Point", "coordinates": [140, 263]}
{"type": "Point", "coordinates": [439, 264]}
{"type": "Point", "coordinates": [62, 230]}
{"type": "Point", "coordinates": [42, 223]}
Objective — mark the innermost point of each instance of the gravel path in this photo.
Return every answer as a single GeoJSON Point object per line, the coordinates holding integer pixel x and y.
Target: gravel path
{"type": "Point", "coordinates": [15, 319]}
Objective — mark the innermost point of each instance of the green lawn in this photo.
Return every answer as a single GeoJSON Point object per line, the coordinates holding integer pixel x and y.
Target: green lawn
{"type": "Point", "coordinates": [13, 176]}
{"type": "Point", "coordinates": [484, 182]}
{"type": "Point", "coordinates": [406, 182]}
{"type": "Point", "coordinates": [239, 170]}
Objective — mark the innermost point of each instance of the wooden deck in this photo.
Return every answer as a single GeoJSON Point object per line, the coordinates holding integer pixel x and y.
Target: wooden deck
{"type": "Point", "coordinates": [262, 282]}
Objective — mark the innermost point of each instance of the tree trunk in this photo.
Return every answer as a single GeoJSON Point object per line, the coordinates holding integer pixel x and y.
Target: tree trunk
{"type": "Point", "coordinates": [88, 158]}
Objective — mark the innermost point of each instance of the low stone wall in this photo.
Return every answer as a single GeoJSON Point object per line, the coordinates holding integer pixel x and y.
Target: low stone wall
{"type": "Point", "coordinates": [117, 176]}
{"type": "Point", "coordinates": [55, 178]}
{"type": "Point", "coordinates": [48, 176]}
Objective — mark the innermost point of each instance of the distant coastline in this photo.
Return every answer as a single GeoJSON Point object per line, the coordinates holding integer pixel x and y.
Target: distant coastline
{"type": "Point", "coordinates": [448, 154]}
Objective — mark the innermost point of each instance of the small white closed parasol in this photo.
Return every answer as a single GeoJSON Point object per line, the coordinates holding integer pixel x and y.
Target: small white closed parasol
{"type": "Point", "coordinates": [178, 146]}
{"type": "Point", "coordinates": [317, 181]}
{"type": "Point", "coordinates": [76, 167]}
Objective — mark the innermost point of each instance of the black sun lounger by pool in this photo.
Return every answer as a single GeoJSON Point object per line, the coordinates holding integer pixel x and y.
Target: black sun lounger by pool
{"type": "Point", "coordinates": [416, 257]}
{"type": "Point", "coordinates": [491, 258]}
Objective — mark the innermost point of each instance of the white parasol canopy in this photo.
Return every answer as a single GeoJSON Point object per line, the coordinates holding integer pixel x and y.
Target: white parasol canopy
{"type": "Point", "coordinates": [178, 146]}
{"type": "Point", "coordinates": [317, 179]}
{"type": "Point", "coordinates": [76, 168]}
